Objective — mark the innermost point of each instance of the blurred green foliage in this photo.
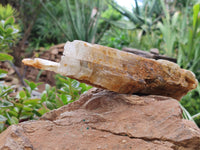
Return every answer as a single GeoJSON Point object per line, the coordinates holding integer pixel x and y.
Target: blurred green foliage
{"type": "Point", "coordinates": [45, 29]}
{"type": "Point", "coordinates": [189, 45]}
{"type": "Point", "coordinates": [67, 20]}
{"type": "Point", "coordinates": [119, 38]}
{"type": "Point", "coordinates": [116, 38]}
{"type": "Point", "coordinates": [9, 30]}
{"type": "Point", "coordinates": [142, 17]}
{"type": "Point", "coordinates": [7, 11]}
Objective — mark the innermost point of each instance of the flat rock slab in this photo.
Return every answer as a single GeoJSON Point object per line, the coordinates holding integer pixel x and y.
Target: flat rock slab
{"type": "Point", "coordinates": [106, 120]}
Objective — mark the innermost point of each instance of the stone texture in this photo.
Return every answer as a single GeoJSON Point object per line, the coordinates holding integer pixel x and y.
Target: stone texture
{"type": "Point", "coordinates": [119, 71]}
{"type": "Point", "coordinates": [106, 120]}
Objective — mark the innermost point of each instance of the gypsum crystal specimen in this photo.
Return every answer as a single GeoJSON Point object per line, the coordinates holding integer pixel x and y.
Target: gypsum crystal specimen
{"type": "Point", "coordinates": [119, 71]}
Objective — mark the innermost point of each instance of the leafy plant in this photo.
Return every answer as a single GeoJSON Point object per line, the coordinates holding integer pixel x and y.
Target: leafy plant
{"type": "Point", "coordinates": [20, 108]}
{"type": "Point", "coordinates": [9, 30]}
{"type": "Point", "coordinates": [71, 87]}
{"type": "Point", "coordinates": [25, 106]}
{"type": "Point", "coordinates": [4, 90]}
{"type": "Point", "coordinates": [4, 57]}
{"type": "Point", "coordinates": [7, 11]}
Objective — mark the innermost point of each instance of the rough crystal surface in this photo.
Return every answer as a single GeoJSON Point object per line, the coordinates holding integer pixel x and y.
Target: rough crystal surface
{"type": "Point", "coordinates": [119, 71]}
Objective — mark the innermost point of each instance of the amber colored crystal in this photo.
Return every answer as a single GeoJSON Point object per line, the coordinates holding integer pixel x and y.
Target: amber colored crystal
{"type": "Point", "coordinates": [119, 71]}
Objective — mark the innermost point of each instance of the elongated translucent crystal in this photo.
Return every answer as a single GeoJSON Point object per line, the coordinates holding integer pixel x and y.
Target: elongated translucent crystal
{"type": "Point", "coordinates": [119, 71]}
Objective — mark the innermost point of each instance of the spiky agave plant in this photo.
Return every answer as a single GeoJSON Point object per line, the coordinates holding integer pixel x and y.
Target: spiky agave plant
{"type": "Point", "coordinates": [81, 19]}
{"type": "Point", "coordinates": [142, 17]}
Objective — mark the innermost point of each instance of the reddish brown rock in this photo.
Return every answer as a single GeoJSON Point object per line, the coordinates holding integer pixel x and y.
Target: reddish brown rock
{"type": "Point", "coordinates": [105, 121]}
{"type": "Point", "coordinates": [119, 71]}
